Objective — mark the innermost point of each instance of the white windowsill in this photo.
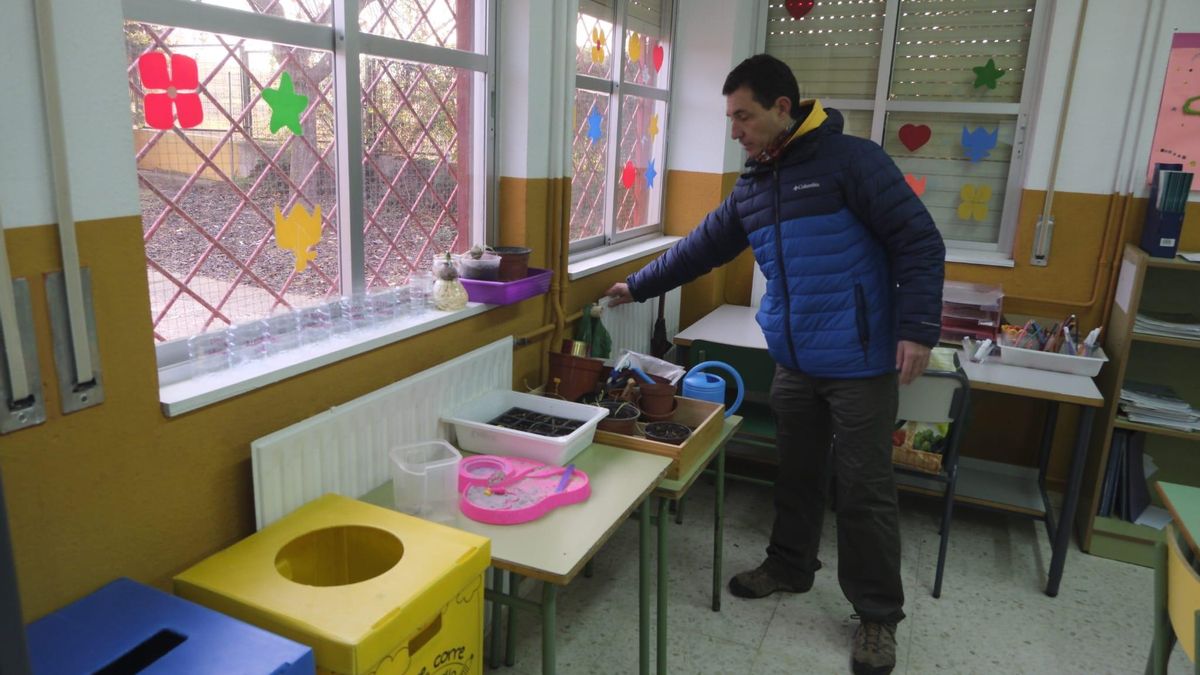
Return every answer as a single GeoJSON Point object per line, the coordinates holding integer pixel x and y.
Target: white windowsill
{"type": "Point", "coordinates": [190, 394]}
{"type": "Point", "coordinates": [617, 256]}
{"type": "Point", "coordinates": [970, 257]}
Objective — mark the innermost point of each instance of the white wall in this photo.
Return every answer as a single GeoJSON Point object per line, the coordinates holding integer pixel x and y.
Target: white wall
{"type": "Point", "coordinates": [523, 89]}
{"type": "Point", "coordinates": [89, 47]}
{"type": "Point", "coordinates": [1118, 83]}
{"type": "Point", "coordinates": [712, 36]}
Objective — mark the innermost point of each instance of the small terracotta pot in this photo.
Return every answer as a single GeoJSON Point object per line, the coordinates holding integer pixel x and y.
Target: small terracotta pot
{"type": "Point", "coordinates": [660, 417]}
{"type": "Point", "coordinates": [667, 432]}
{"type": "Point", "coordinates": [577, 375]}
{"type": "Point", "coordinates": [657, 398]}
{"type": "Point", "coordinates": [514, 262]}
{"type": "Point", "coordinates": [622, 417]}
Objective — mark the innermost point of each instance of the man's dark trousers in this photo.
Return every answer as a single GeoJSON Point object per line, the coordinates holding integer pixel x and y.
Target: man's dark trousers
{"type": "Point", "coordinates": [860, 413]}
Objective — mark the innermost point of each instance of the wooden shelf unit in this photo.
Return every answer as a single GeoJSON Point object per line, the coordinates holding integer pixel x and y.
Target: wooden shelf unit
{"type": "Point", "coordinates": [1154, 283]}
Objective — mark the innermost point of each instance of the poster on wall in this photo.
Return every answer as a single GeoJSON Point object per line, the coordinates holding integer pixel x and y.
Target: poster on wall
{"type": "Point", "coordinates": [1177, 136]}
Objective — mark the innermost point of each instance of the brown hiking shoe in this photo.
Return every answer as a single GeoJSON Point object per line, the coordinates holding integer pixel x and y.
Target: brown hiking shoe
{"type": "Point", "coordinates": [874, 648]}
{"type": "Point", "coordinates": [764, 580]}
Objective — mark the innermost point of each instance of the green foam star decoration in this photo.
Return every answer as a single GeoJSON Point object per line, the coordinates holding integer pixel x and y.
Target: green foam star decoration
{"type": "Point", "coordinates": [987, 75]}
{"type": "Point", "coordinates": [286, 105]}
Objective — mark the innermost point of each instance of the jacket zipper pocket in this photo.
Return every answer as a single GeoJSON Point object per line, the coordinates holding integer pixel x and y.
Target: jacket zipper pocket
{"type": "Point", "coordinates": [860, 316]}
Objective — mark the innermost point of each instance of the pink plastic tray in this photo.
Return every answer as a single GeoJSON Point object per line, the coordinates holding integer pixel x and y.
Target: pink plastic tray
{"type": "Point", "coordinates": [510, 490]}
{"type": "Point", "coordinates": [536, 282]}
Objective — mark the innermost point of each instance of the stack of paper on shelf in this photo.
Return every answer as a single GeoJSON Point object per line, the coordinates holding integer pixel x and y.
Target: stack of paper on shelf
{"type": "Point", "coordinates": [1168, 324]}
{"type": "Point", "coordinates": [1157, 404]}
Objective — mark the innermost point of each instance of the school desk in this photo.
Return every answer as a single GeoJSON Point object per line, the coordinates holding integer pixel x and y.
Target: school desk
{"type": "Point", "coordinates": [1183, 501]}
{"type": "Point", "coordinates": [554, 548]}
{"type": "Point", "coordinates": [1006, 487]}
{"type": "Point", "coordinates": [677, 489]}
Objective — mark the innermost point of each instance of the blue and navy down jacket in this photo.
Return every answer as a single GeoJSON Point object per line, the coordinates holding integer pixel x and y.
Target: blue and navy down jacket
{"type": "Point", "coordinates": [852, 258]}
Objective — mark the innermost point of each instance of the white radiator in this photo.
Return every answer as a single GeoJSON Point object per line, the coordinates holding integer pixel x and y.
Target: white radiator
{"type": "Point", "coordinates": [345, 449]}
{"type": "Point", "coordinates": [631, 325]}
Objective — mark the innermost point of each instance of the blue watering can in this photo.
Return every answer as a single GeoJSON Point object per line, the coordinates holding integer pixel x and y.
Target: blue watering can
{"type": "Point", "coordinates": [709, 387]}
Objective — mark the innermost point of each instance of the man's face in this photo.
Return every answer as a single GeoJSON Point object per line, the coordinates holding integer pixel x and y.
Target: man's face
{"type": "Point", "coordinates": [753, 125]}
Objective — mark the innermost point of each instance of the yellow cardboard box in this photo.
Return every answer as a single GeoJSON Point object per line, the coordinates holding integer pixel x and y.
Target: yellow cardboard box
{"type": "Point", "coordinates": [371, 590]}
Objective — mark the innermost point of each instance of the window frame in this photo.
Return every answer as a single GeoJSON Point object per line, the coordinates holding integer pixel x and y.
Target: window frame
{"type": "Point", "coordinates": [348, 43]}
{"type": "Point", "coordinates": [616, 88]}
{"type": "Point", "coordinates": [881, 105]}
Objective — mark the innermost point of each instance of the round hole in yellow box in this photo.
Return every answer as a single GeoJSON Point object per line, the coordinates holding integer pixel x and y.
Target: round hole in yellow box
{"type": "Point", "coordinates": [339, 556]}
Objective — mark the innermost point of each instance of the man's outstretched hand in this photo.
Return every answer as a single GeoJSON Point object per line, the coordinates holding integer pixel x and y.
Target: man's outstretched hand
{"type": "Point", "coordinates": [911, 360]}
{"type": "Point", "coordinates": [619, 294]}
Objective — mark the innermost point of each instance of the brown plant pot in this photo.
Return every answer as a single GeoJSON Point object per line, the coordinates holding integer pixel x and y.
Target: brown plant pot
{"type": "Point", "coordinates": [622, 417]}
{"type": "Point", "coordinates": [577, 375]}
{"type": "Point", "coordinates": [514, 262]}
{"type": "Point", "coordinates": [661, 417]}
{"type": "Point", "coordinates": [657, 398]}
{"type": "Point", "coordinates": [667, 432]}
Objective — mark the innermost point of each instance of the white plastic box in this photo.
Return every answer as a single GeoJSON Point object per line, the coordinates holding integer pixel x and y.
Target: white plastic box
{"type": "Point", "coordinates": [474, 434]}
{"type": "Point", "coordinates": [1062, 363]}
{"type": "Point", "coordinates": [425, 480]}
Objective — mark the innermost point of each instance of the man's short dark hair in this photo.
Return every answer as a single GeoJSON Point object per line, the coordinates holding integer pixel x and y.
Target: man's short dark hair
{"type": "Point", "coordinates": [768, 78]}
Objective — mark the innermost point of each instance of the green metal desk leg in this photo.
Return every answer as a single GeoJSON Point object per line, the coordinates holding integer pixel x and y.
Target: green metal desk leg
{"type": "Point", "coordinates": [549, 657]}
{"type": "Point", "coordinates": [510, 649]}
{"type": "Point", "coordinates": [661, 655]}
{"type": "Point", "coordinates": [718, 530]}
{"type": "Point", "coordinates": [644, 587]}
{"type": "Point", "coordinates": [679, 511]}
{"type": "Point", "coordinates": [497, 608]}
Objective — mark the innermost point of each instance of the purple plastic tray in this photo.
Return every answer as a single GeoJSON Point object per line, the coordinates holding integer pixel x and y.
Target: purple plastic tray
{"type": "Point", "coordinates": [536, 282]}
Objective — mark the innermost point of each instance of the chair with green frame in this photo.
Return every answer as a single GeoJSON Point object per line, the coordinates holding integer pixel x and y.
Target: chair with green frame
{"type": "Point", "coordinates": [1176, 603]}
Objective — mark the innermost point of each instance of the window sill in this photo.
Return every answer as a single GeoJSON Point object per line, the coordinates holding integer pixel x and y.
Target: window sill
{"type": "Point", "coordinates": [193, 393]}
{"type": "Point", "coordinates": [617, 256]}
{"type": "Point", "coordinates": [970, 257]}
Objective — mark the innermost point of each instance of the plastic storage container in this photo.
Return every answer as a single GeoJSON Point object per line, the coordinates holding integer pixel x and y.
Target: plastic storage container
{"type": "Point", "coordinates": [425, 480]}
{"type": "Point", "coordinates": [972, 310]}
{"type": "Point", "coordinates": [1062, 363]}
{"type": "Point", "coordinates": [536, 282]}
{"type": "Point", "coordinates": [474, 434]}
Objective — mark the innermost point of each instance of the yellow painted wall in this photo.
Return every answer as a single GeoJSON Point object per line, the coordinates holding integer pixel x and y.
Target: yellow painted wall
{"type": "Point", "coordinates": [121, 490]}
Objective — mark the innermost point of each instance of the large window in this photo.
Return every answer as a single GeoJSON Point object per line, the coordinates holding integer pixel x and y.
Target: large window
{"type": "Point", "coordinates": [940, 84]}
{"type": "Point", "coordinates": [372, 111]}
{"type": "Point", "coordinates": [622, 98]}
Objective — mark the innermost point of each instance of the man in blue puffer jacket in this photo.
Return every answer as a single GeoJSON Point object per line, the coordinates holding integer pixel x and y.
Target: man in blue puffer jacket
{"type": "Point", "coordinates": [854, 268]}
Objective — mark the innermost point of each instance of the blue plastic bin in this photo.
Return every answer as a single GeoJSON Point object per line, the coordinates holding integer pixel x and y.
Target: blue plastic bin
{"type": "Point", "coordinates": [126, 627]}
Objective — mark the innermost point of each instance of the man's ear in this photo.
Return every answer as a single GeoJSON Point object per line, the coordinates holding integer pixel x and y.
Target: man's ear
{"type": "Point", "coordinates": [785, 105]}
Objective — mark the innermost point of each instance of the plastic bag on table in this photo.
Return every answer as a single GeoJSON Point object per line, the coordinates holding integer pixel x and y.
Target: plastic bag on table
{"type": "Point", "coordinates": [653, 366]}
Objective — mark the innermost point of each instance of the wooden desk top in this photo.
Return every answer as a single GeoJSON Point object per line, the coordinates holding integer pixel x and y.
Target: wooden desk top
{"type": "Point", "coordinates": [1183, 501]}
{"type": "Point", "coordinates": [735, 325]}
{"type": "Point", "coordinates": [555, 547]}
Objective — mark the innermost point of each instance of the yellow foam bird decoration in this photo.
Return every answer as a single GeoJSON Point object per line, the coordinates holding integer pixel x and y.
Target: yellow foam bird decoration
{"type": "Point", "coordinates": [635, 47]}
{"type": "Point", "coordinates": [297, 232]}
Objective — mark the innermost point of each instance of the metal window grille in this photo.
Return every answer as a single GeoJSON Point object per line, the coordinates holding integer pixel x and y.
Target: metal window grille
{"type": "Point", "coordinates": [209, 192]}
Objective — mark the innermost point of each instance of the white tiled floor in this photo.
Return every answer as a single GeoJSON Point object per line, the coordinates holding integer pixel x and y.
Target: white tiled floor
{"type": "Point", "coordinates": [993, 616]}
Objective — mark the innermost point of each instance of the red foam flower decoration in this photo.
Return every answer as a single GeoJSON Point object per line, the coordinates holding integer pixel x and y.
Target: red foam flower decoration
{"type": "Point", "coordinates": [179, 98]}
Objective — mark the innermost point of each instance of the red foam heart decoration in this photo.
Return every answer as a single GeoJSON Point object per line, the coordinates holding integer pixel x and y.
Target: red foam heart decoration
{"type": "Point", "coordinates": [628, 174]}
{"type": "Point", "coordinates": [914, 136]}
{"type": "Point", "coordinates": [799, 8]}
{"type": "Point", "coordinates": [659, 54]}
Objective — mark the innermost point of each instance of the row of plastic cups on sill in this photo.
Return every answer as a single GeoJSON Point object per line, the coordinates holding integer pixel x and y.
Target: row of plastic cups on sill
{"type": "Point", "coordinates": [247, 342]}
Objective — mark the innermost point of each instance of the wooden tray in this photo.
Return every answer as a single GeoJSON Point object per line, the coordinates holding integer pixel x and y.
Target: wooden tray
{"type": "Point", "coordinates": [706, 419]}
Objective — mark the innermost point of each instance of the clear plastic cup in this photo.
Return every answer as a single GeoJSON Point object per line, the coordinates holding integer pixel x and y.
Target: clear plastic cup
{"type": "Point", "coordinates": [284, 330]}
{"type": "Point", "coordinates": [316, 325]}
{"type": "Point", "coordinates": [209, 352]}
{"type": "Point", "coordinates": [339, 323]}
{"type": "Point", "coordinates": [247, 342]}
{"type": "Point", "coordinates": [356, 309]}
{"type": "Point", "coordinates": [420, 286]}
{"type": "Point", "coordinates": [384, 304]}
